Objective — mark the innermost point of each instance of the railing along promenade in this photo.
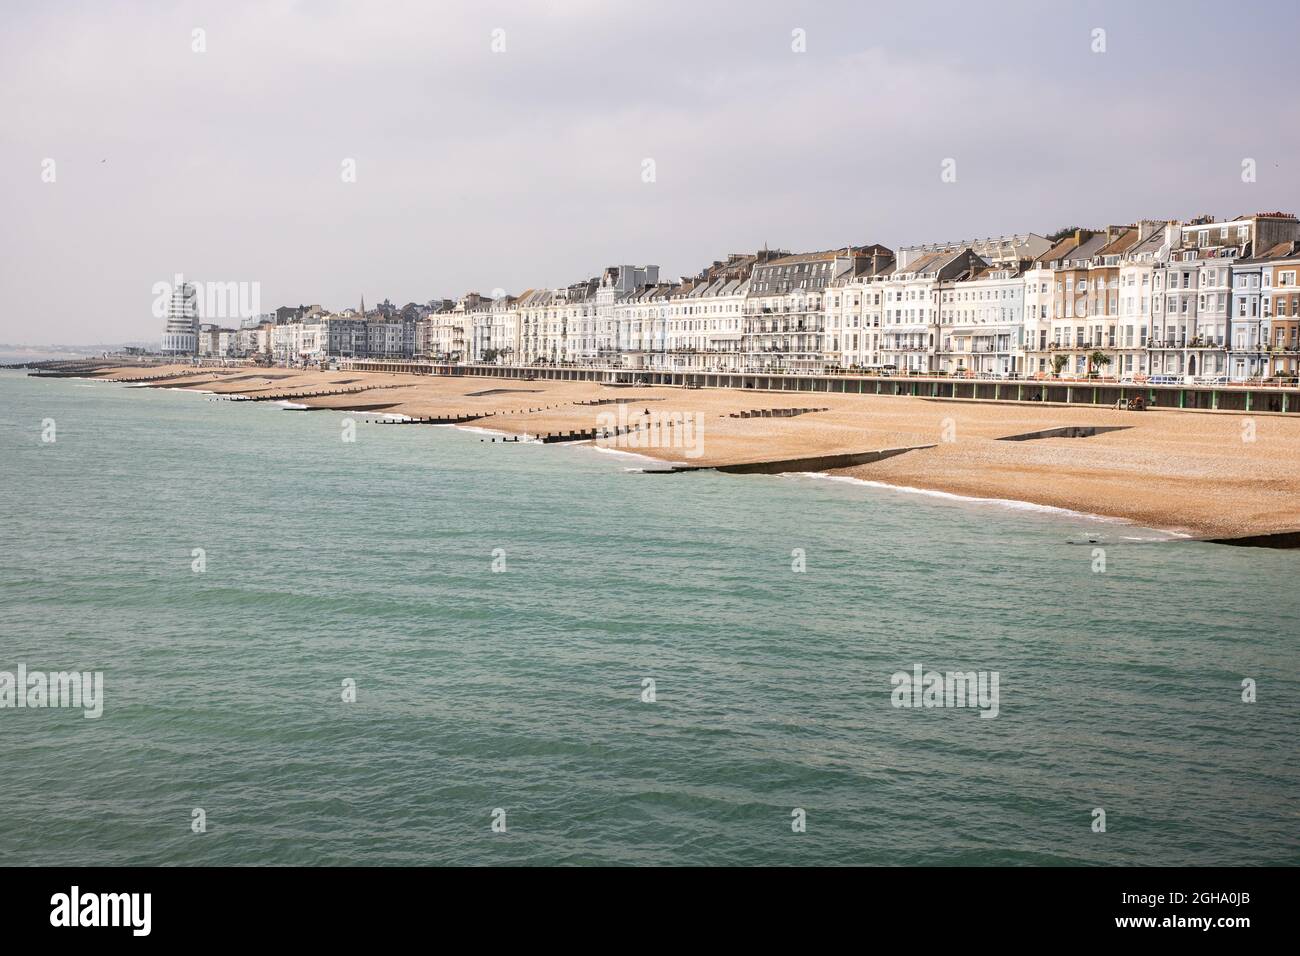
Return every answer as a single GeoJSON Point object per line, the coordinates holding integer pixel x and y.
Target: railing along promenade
{"type": "Point", "coordinates": [1252, 398]}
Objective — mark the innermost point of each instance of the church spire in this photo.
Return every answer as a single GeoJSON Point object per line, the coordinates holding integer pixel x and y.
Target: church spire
{"type": "Point", "coordinates": [363, 306]}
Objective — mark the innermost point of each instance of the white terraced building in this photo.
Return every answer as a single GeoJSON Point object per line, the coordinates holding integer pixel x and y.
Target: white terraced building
{"type": "Point", "coordinates": [1139, 272]}
{"type": "Point", "coordinates": [910, 317]}
{"type": "Point", "coordinates": [853, 317]}
{"type": "Point", "coordinates": [705, 324]}
{"type": "Point", "coordinates": [981, 324]}
{"type": "Point", "coordinates": [641, 321]}
{"type": "Point", "coordinates": [1127, 301]}
{"type": "Point", "coordinates": [786, 321]}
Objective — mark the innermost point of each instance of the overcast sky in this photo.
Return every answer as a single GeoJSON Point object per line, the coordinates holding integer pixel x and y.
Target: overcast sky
{"type": "Point", "coordinates": [479, 170]}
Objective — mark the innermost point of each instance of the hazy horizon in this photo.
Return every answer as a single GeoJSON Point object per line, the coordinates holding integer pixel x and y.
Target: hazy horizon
{"type": "Point", "coordinates": [490, 160]}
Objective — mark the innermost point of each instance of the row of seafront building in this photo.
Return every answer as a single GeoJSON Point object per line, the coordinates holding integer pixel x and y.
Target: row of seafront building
{"type": "Point", "coordinates": [1202, 299]}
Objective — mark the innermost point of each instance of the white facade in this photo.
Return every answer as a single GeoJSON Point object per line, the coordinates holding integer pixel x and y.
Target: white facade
{"type": "Point", "coordinates": [981, 326]}
{"type": "Point", "coordinates": [1249, 327]}
{"type": "Point", "coordinates": [181, 333]}
{"type": "Point", "coordinates": [705, 325]}
{"type": "Point", "coordinates": [910, 314]}
{"type": "Point", "coordinates": [853, 323]}
{"type": "Point", "coordinates": [1137, 297]}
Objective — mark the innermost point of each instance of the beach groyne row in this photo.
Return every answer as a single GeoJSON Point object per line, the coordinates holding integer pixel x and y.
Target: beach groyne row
{"type": "Point", "coordinates": [462, 417]}
{"type": "Point", "coordinates": [586, 434]}
{"type": "Point", "coordinates": [435, 419]}
{"type": "Point", "coordinates": [545, 438]}
{"type": "Point", "coordinates": [776, 412]}
{"type": "Point", "coordinates": [595, 434]}
{"type": "Point", "coordinates": [88, 372]}
{"type": "Point", "coordinates": [371, 407]}
{"type": "Point", "coordinates": [162, 381]}
{"type": "Point", "coordinates": [294, 396]}
{"type": "Point", "coordinates": [1256, 399]}
{"type": "Point", "coordinates": [624, 400]}
{"type": "Point", "coordinates": [96, 371]}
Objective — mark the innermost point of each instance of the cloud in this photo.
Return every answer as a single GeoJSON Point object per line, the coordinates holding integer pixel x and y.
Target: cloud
{"type": "Point", "coordinates": [478, 169]}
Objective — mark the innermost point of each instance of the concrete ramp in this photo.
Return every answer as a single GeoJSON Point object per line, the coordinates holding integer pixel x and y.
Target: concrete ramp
{"type": "Point", "coordinates": [1068, 431]}
{"type": "Point", "coordinates": [782, 465]}
{"type": "Point", "coordinates": [1279, 539]}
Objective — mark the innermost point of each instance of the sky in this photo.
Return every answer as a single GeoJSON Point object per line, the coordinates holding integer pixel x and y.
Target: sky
{"type": "Point", "coordinates": [324, 151]}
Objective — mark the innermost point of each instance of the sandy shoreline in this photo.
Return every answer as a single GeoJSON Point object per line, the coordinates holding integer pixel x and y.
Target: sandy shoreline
{"type": "Point", "coordinates": [1203, 474]}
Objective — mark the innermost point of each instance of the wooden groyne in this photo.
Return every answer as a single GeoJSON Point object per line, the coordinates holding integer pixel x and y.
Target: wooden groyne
{"type": "Point", "coordinates": [776, 412]}
{"type": "Point", "coordinates": [434, 419]}
{"type": "Point", "coordinates": [462, 417]}
{"type": "Point", "coordinates": [62, 373]}
{"type": "Point", "coordinates": [624, 400]}
{"type": "Point", "coordinates": [372, 407]}
{"type": "Point", "coordinates": [98, 371]}
{"type": "Point", "coordinates": [595, 434]}
{"type": "Point", "coordinates": [294, 396]}
{"type": "Point", "coordinates": [77, 368]}
{"type": "Point", "coordinates": [170, 380]}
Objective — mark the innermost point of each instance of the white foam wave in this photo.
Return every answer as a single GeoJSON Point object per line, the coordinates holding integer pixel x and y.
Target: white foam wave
{"type": "Point", "coordinates": [1011, 503]}
{"type": "Point", "coordinates": [628, 454]}
{"type": "Point", "coordinates": [479, 430]}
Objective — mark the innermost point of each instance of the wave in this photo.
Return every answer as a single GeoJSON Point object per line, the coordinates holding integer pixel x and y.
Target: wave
{"type": "Point", "coordinates": [479, 430]}
{"type": "Point", "coordinates": [662, 463]}
{"type": "Point", "coordinates": [1012, 503]}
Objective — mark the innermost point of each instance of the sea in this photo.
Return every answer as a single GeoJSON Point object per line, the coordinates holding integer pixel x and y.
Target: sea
{"type": "Point", "coordinates": [421, 647]}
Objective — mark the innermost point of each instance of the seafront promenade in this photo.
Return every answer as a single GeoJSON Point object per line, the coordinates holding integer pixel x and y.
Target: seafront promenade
{"type": "Point", "coordinates": [1255, 398]}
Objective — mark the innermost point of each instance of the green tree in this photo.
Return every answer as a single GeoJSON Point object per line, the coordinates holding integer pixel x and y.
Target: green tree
{"type": "Point", "coordinates": [1058, 362]}
{"type": "Point", "coordinates": [1097, 359]}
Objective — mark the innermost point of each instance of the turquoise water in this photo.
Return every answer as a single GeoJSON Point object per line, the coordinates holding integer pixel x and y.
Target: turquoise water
{"type": "Point", "coordinates": [521, 690]}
